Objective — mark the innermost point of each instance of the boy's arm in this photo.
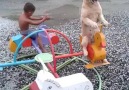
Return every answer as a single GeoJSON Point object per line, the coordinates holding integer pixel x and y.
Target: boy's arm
{"type": "Point", "coordinates": [36, 18]}
{"type": "Point", "coordinates": [33, 22]}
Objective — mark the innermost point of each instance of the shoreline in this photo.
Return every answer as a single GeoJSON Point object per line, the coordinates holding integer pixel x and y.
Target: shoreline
{"type": "Point", "coordinates": [61, 12]}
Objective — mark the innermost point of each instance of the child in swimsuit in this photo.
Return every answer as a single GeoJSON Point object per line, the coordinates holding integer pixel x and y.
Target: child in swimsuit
{"type": "Point", "coordinates": [26, 19]}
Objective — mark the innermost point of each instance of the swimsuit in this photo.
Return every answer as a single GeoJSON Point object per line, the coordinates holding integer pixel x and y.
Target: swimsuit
{"type": "Point", "coordinates": [27, 32]}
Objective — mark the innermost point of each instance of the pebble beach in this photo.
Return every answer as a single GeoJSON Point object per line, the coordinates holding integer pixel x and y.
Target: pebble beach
{"type": "Point", "coordinates": [115, 76]}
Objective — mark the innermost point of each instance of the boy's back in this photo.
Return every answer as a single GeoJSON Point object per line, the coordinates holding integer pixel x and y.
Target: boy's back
{"type": "Point", "coordinates": [23, 24]}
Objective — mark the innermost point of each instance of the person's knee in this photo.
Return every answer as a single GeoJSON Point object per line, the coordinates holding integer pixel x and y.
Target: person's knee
{"type": "Point", "coordinates": [39, 39]}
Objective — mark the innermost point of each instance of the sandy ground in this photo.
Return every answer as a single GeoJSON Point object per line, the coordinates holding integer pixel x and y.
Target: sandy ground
{"type": "Point", "coordinates": [61, 10]}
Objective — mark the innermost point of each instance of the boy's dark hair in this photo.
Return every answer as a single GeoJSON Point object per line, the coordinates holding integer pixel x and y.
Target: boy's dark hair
{"type": "Point", "coordinates": [29, 7]}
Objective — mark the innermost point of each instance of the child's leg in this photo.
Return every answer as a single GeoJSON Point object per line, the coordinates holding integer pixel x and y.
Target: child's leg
{"type": "Point", "coordinates": [39, 40]}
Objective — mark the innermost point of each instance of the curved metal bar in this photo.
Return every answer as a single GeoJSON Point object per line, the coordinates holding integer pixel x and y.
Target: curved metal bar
{"type": "Point", "coordinates": [52, 50]}
{"type": "Point", "coordinates": [70, 44]}
{"type": "Point", "coordinates": [51, 45]}
{"type": "Point", "coordinates": [19, 45]}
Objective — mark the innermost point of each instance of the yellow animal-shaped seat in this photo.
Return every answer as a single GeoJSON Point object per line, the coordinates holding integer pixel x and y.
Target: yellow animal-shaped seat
{"type": "Point", "coordinates": [96, 50]}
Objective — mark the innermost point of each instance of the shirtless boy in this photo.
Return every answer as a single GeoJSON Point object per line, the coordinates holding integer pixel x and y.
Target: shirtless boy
{"type": "Point", "coordinates": [26, 19]}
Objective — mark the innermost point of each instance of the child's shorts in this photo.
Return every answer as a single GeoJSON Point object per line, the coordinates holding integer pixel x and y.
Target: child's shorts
{"type": "Point", "coordinates": [27, 32]}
